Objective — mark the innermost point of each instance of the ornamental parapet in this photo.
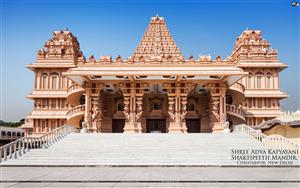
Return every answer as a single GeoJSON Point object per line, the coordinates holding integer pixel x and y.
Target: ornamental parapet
{"type": "Point", "coordinates": [74, 93]}
{"type": "Point", "coordinates": [238, 87]}
{"type": "Point", "coordinates": [238, 91]}
{"type": "Point", "coordinates": [157, 60]}
{"type": "Point", "coordinates": [75, 111]}
{"type": "Point", "coordinates": [73, 89]}
{"type": "Point", "coordinates": [236, 111]}
{"type": "Point", "coordinates": [47, 93]}
{"type": "Point", "coordinates": [51, 113]}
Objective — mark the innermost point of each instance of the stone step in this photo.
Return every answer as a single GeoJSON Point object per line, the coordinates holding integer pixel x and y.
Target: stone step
{"type": "Point", "coordinates": [139, 149]}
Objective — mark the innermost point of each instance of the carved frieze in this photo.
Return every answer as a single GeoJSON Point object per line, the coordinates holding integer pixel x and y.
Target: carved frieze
{"type": "Point", "coordinates": [139, 109]}
{"type": "Point", "coordinates": [127, 108]}
{"type": "Point", "coordinates": [171, 109]}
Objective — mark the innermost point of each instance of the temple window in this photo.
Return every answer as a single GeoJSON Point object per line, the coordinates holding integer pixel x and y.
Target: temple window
{"type": "Point", "coordinates": [268, 80]}
{"type": "Point", "coordinates": [258, 79]}
{"type": "Point", "coordinates": [249, 85]}
{"type": "Point", "coordinates": [44, 80]}
{"type": "Point", "coordinates": [54, 81]}
{"type": "Point", "coordinates": [64, 82]}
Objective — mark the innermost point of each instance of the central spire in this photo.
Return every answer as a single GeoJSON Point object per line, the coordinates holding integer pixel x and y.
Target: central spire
{"type": "Point", "coordinates": [157, 42]}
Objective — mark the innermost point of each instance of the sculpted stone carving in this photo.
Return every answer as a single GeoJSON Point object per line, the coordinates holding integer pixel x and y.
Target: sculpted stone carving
{"type": "Point", "coordinates": [119, 58]}
{"type": "Point", "coordinates": [184, 109]}
{"type": "Point", "coordinates": [215, 116]}
{"type": "Point", "coordinates": [126, 109]}
{"type": "Point", "coordinates": [62, 45]}
{"type": "Point", "coordinates": [106, 59]}
{"type": "Point", "coordinates": [139, 110]}
{"type": "Point", "coordinates": [171, 109]}
{"type": "Point", "coordinates": [96, 112]}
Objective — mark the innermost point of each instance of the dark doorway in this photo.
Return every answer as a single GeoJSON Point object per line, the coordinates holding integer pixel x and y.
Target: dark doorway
{"type": "Point", "coordinates": [156, 126]}
{"type": "Point", "coordinates": [118, 125]}
{"type": "Point", "coordinates": [193, 125]}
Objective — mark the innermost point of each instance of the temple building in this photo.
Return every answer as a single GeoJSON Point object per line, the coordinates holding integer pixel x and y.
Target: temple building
{"type": "Point", "coordinates": [156, 89]}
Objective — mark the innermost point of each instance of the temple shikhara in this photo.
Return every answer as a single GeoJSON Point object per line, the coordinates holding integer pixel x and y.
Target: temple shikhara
{"type": "Point", "coordinates": [156, 89]}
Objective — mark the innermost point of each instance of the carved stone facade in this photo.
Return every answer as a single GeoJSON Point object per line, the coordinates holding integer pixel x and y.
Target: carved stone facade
{"type": "Point", "coordinates": [156, 89]}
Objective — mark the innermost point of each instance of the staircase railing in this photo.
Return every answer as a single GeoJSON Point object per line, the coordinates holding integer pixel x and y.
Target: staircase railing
{"type": "Point", "coordinates": [277, 142]}
{"type": "Point", "coordinates": [21, 146]}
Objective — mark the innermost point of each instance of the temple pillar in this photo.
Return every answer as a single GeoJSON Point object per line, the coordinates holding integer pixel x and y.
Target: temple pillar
{"type": "Point", "coordinates": [183, 113]}
{"type": "Point", "coordinates": [129, 103]}
{"type": "Point", "coordinates": [218, 108]}
{"type": "Point", "coordinates": [139, 112]}
{"type": "Point", "coordinates": [96, 109]}
{"type": "Point", "coordinates": [87, 115]}
{"type": "Point", "coordinates": [174, 114]}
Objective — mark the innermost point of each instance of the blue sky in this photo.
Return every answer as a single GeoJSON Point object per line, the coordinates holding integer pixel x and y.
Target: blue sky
{"type": "Point", "coordinates": [116, 27]}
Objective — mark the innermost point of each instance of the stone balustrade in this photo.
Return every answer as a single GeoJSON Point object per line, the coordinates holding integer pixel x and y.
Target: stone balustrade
{"type": "Point", "coordinates": [236, 111]}
{"type": "Point", "coordinates": [238, 87]}
{"type": "Point", "coordinates": [75, 111]}
{"type": "Point", "coordinates": [21, 146]}
{"type": "Point", "coordinates": [276, 142]}
{"type": "Point", "coordinates": [74, 88]}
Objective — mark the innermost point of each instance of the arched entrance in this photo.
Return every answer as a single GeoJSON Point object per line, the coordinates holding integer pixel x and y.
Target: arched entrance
{"type": "Point", "coordinates": [197, 118]}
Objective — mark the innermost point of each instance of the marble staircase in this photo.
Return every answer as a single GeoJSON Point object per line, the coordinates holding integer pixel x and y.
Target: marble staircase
{"type": "Point", "coordinates": [79, 149]}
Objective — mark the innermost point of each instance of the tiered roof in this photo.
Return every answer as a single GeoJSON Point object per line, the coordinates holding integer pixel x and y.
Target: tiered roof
{"type": "Point", "coordinates": [63, 44]}
{"type": "Point", "coordinates": [157, 43]}
{"type": "Point", "coordinates": [251, 44]}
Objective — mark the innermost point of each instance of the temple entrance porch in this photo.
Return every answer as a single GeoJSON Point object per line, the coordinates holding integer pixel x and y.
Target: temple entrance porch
{"type": "Point", "coordinates": [165, 108]}
{"type": "Point", "coordinates": [156, 126]}
{"type": "Point", "coordinates": [136, 94]}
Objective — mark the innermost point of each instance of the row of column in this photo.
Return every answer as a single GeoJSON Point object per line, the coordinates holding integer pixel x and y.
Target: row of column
{"type": "Point", "coordinates": [177, 110]}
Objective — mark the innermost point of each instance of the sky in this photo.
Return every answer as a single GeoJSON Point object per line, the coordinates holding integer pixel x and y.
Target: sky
{"type": "Point", "coordinates": [116, 27]}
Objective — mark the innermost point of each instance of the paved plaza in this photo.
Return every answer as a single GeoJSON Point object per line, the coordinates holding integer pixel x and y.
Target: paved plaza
{"type": "Point", "coordinates": [149, 176]}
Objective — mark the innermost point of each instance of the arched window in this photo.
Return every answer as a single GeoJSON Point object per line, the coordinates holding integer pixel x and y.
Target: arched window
{"type": "Point", "coordinates": [64, 82]}
{"type": "Point", "coordinates": [258, 79]}
{"type": "Point", "coordinates": [249, 83]}
{"type": "Point", "coordinates": [268, 80]}
{"type": "Point", "coordinates": [54, 81]}
{"type": "Point", "coordinates": [44, 80]}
